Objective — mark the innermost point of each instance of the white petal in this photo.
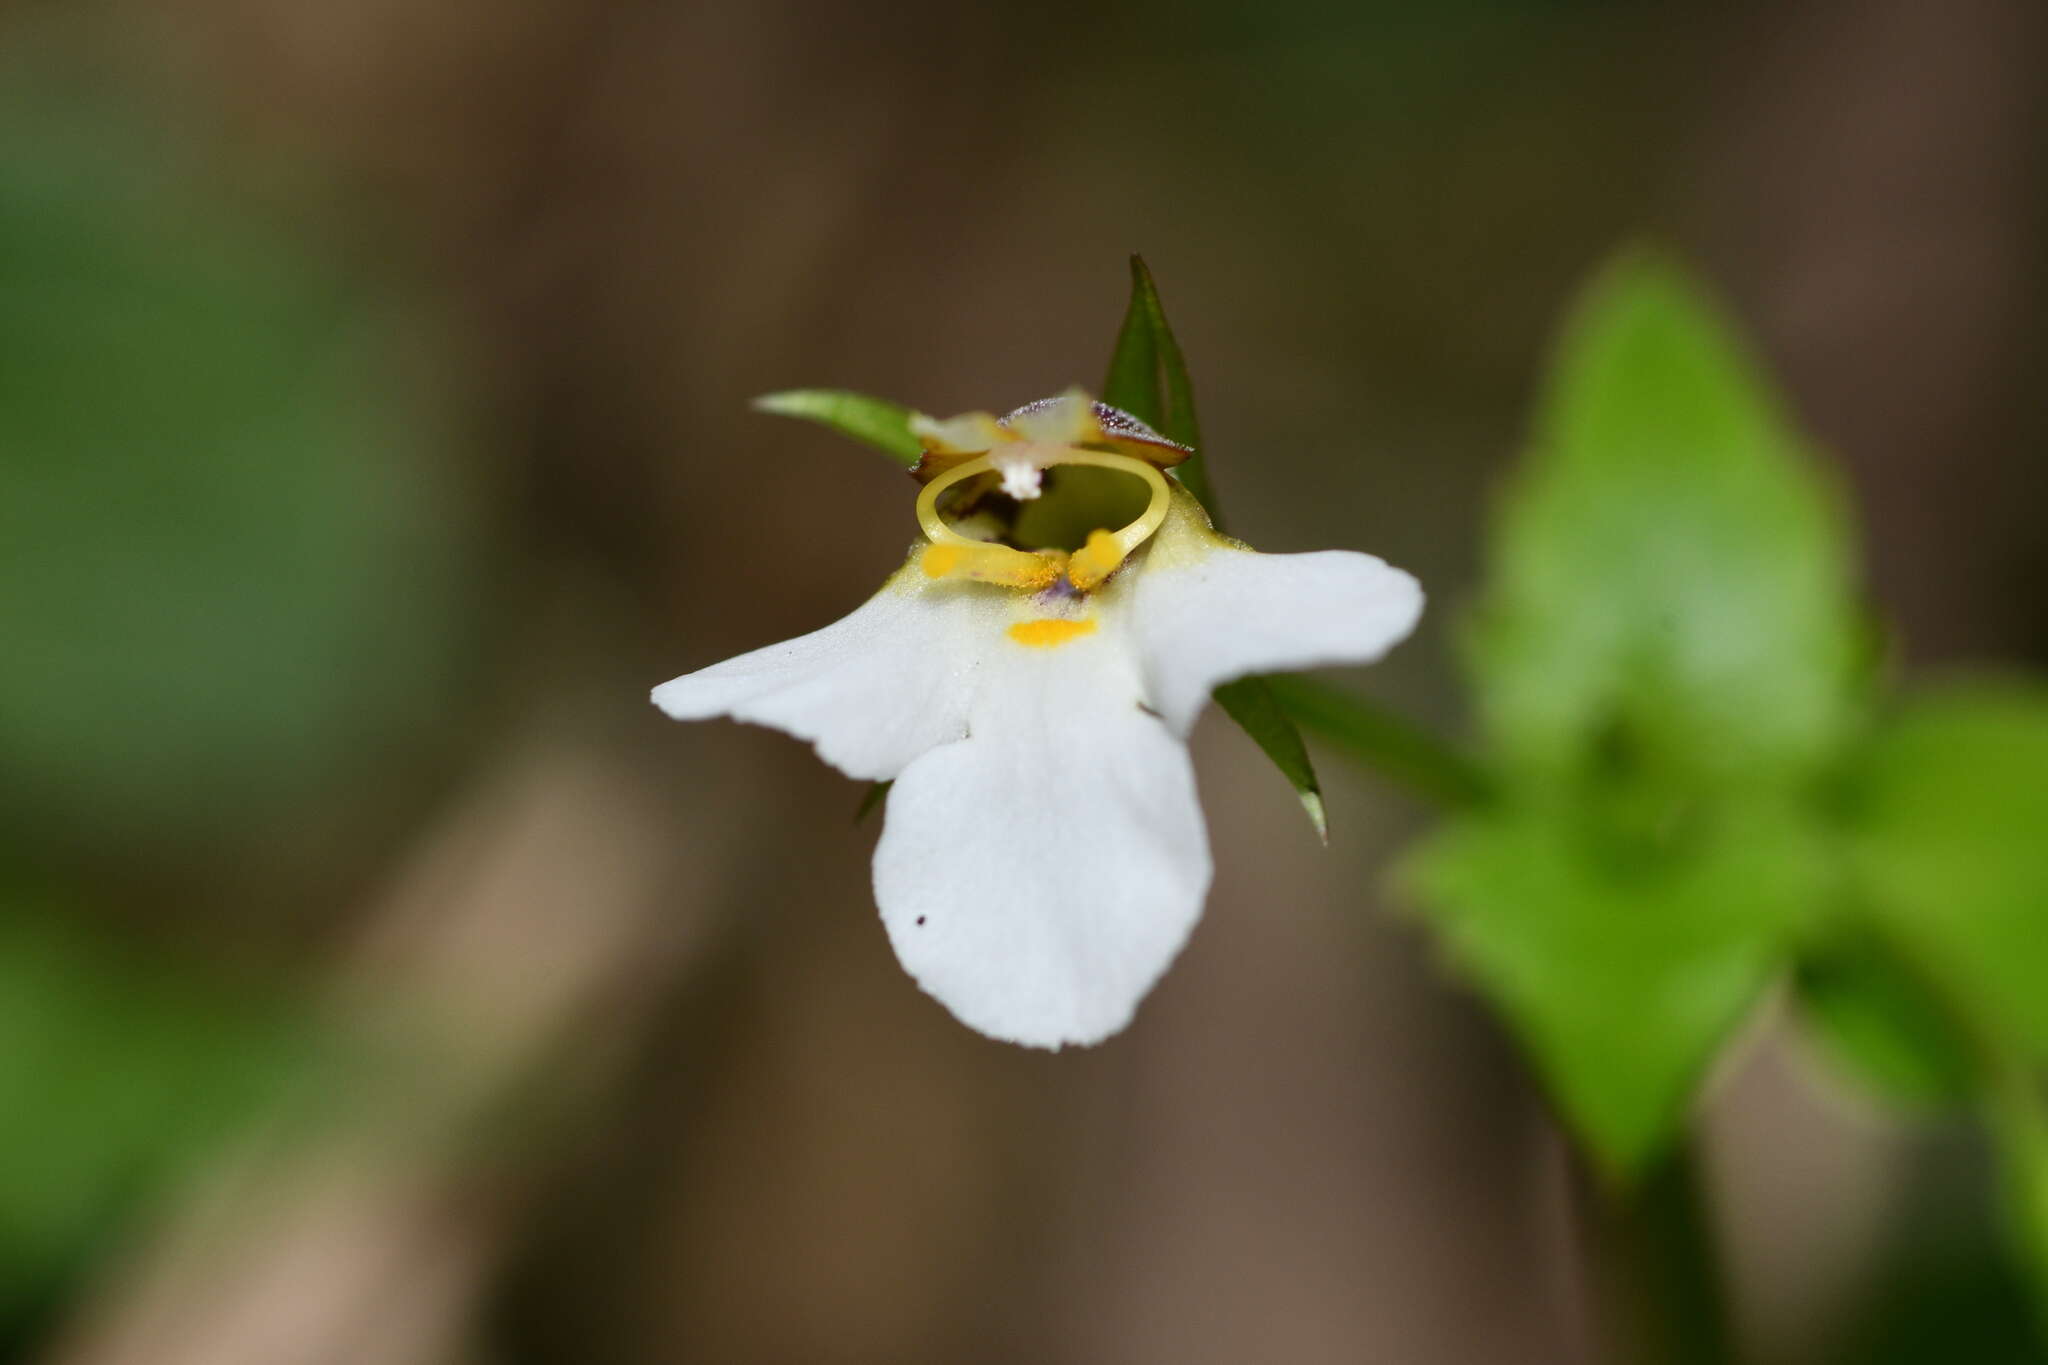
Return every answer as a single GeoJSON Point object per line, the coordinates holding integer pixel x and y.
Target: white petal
{"type": "Point", "coordinates": [872, 691]}
{"type": "Point", "coordinates": [968, 434]}
{"type": "Point", "coordinates": [1038, 876]}
{"type": "Point", "coordinates": [1211, 617]}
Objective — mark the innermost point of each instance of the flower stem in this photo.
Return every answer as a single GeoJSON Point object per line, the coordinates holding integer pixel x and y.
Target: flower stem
{"type": "Point", "coordinates": [1654, 1270]}
{"type": "Point", "coordinates": [1403, 753]}
{"type": "Point", "coordinates": [2016, 1116]}
{"type": "Point", "coordinates": [2014, 1111]}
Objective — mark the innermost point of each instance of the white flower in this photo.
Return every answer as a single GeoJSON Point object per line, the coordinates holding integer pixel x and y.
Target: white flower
{"type": "Point", "coordinates": [1043, 856]}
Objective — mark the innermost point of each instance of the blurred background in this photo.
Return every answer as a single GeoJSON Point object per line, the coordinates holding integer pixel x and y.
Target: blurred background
{"type": "Point", "coordinates": [383, 980]}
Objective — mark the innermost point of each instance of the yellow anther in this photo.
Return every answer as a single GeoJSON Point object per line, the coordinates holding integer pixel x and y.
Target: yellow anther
{"type": "Point", "coordinates": [1050, 632]}
{"type": "Point", "coordinates": [985, 563]}
{"type": "Point", "coordinates": [940, 560]}
{"type": "Point", "coordinates": [1102, 556]}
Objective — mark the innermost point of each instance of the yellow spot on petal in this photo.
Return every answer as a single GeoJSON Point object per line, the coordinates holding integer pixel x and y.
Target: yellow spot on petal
{"type": "Point", "coordinates": [1102, 556]}
{"type": "Point", "coordinates": [1050, 632]}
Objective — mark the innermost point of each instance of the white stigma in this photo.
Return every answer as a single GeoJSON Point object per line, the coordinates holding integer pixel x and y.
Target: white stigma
{"type": "Point", "coordinates": [1022, 477]}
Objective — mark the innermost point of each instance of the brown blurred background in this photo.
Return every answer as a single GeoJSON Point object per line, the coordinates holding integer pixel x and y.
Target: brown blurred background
{"type": "Point", "coordinates": [489, 1017]}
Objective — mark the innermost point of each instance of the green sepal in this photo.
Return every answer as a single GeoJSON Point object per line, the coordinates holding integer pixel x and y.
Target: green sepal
{"type": "Point", "coordinates": [871, 800]}
{"type": "Point", "coordinates": [1251, 703]}
{"type": "Point", "coordinates": [1148, 378]}
{"type": "Point", "coordinates": [872, 421]}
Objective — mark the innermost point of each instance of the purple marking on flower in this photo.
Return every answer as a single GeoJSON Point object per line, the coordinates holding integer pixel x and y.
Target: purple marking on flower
{"type": "Point", "coordinates": [1115, 422]}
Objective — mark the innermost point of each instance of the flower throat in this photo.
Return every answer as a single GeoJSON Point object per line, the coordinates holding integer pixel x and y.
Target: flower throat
{"type": "Point", "coordinates": [1031, 516]}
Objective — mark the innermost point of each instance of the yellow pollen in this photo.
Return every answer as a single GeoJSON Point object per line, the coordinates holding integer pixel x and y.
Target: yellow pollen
{"type": "Point", "coordinates": [993, 564]}
{"type": "Point", "coordinates": [1102, 556]}
{"type": "Point", "coordinates": [1050, 632]}
{"type": "Point", "coordinates": [1021, 569]}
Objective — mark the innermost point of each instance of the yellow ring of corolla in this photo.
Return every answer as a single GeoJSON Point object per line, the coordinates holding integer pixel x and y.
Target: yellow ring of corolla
{"type": "Point", "coordinates": [1022, 567]}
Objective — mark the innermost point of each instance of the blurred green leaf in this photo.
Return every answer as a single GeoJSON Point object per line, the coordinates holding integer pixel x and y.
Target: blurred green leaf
{"type": "Point", "coordinates": [1950, 820]}
{"type": "Point", "coordinates": [114, 1076]}
{"type": "Point", "coordinates": [1250, 702]}
{"type": "Point", "coordinates": [872, 421]}
{"type": "Point", "coordinates": [2016, 1112]}
{"type": "Point", "coordinates": [1621, 962]}
{"type": "Point", "coordinates": [1666, 661]}
{"type": "Point", "coordinates": [1669, 562]}
{"type": "Point", "coordinates": [1947, 811]}
{"type": "Point", "coordinates": [227, 576]}
{"type": "Point", "coordinates": [1148, 378]}
{"type": "Point", "coordinates": [1878, 1021]}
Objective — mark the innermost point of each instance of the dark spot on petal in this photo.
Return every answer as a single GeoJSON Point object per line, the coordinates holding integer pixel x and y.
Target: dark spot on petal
{"type": "Point", "coordinates": [920, 919]}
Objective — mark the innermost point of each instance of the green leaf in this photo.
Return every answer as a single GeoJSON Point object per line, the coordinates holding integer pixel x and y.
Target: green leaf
{"type": "Point", "coordinates": [231, 563]}
{"type": "Point", "coordinates": [2016, 1112]}
{"type": "Point", "coordinates": [1622, 962]}
{"type": "Point", "coordinates": [1950, 818]}
{"type": "Point", "coordinates": [115, 1074]}
{"type": "Point", "coordinates": [1251, 703]}
{"type": "Point", "coordinates": [1947, 808]}
{"type": "Point", "coordinates": [1382, 742]}
{"type": "Point", "coordinates": [1877, 1020]}
{"type": "Point", "coordinates": [1148, 378]}
{"type": "Point", "coordinates": [1669, 566]}
{"type": "Point", "coordinates": [872, 421]}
